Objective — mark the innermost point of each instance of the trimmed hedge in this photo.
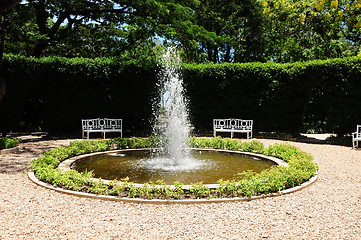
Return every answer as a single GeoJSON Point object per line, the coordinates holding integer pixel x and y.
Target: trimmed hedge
{"type": "Point", "coordinates": [55, 93]}
{"type": "Point", "coordinates": [277, 178]}
{"type": "Point", "coordinates": [322, 95]}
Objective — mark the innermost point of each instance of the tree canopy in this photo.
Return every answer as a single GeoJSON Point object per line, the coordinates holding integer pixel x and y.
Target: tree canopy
{"type": "Point", "coordinates": [312, 29]}
{"type": "Point", "coordinates": [89, 28]}
{"type": "Point", "coordinates": [204, 30]}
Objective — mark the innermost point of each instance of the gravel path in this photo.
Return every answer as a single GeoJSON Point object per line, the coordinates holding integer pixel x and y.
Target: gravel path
{"type": "Point", "coordinates": [329, 209]}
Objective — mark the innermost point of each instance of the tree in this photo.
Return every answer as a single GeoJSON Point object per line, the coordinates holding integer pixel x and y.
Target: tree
{"type": "Point", "coordinates": [232, 31]}
{"type": "Point", "coordinates": [94, 26]}
{"type": "Point", "coordinates": [215, 31]}
{"type": "Point", "coordinates": [307, 29]}
{"type": "Point", "coordinates": [5, 5]}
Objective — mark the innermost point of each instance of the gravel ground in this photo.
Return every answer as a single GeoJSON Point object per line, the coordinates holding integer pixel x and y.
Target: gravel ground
{"type": "Point", "coordinates": [329, 209]}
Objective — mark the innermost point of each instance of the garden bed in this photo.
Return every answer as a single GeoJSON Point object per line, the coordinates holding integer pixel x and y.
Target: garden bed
{"type": "Point", "coordinates": [274, 180]}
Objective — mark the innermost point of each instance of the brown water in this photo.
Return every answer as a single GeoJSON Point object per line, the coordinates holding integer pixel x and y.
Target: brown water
{"type": "Point", "coordinates": [141, 167]}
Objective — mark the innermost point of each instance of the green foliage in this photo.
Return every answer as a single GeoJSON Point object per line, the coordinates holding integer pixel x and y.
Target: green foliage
{"type": "Point", "coordinates": [8, 142]}
{"type": "Point", "coordinates": [252, 146]}
{"type": "Point", "coordinates": [78, 148]}
{"type": "Point", "coordinates": [74, 28]}
{"type": "Point", "coordinates": [44, 162]}
{"type": "Point", "coordinates": [228, 188]}
{"type": "Point", "coordinates": [278, 97]}
{"type": "Point", "coordinates": [206, 31]}
{"type": "Point", "coordinates": [98, 187]}
{"type": "Point", "coordinates": [340, 140]}
{"type": "Point", "coordinates": [286, 152]}
{"type": "Point", "coordinates": [199, 190]}
{"type": "Point", "coordinates": [124, 143]}
{"type": "Point", "coordinates": [311, 29]}
{"type": "Point", "coordinates": [85, 88]}
{"type": "Point", "coordinates": [245, 184]}
{"type": "Point", "coordinates": [227, 143]}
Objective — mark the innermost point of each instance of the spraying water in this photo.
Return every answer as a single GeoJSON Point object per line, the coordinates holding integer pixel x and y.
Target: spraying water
{"type": "Point", "coordinates": [172, 124]}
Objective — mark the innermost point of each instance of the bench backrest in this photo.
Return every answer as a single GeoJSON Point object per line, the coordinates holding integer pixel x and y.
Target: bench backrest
{"type": "Point", "coordinates": [101, 124]}
{"type": "Point", "coordinates": [232, 123]}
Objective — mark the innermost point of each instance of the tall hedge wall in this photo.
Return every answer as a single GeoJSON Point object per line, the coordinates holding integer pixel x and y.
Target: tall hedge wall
{"type": "Point", "coordinates": [262, 92]}
{"type": "Point", "coordinates": [279, 97]}
{"type": "Point", "coordinates": [56, 93]}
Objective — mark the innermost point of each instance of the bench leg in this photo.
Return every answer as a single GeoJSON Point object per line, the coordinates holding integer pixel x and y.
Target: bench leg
{"type": "Point", "coordinates": [103, 135]}
{"type": "Point", "coordinates": [214, 133]}
{"type": "Point", "coordinates": [249, 135]}
{"type": "Point", "coordinates": [353, 143]}
{"type": "Point", "coordinates": [232, 134]}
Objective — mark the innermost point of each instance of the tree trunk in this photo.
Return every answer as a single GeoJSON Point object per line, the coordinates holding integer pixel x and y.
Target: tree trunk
{"type": "Point", "coordinates": [2, 88]}
{"type": "Point", "coordinates": [227, 57]}
{"type": "Point", "coordinates": [215, 54]}
{"type": "Point", "coordinates": [38, 49]}
{"type": "Point", "coordinates": [7, 4]}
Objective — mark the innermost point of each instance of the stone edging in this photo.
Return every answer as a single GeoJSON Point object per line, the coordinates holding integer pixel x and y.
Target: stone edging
{"type": "Point", "coordinates": [9, 150]}
{"type": "Point", "coordinates": [33, 178]}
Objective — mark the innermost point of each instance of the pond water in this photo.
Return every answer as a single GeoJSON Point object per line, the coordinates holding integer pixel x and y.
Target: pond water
{"type": "Point", "coordinates": [142, 166]}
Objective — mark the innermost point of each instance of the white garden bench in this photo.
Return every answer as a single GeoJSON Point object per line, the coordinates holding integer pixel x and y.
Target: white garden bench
{"type": "Point", "coordinates": [233, 125]}
{"type": "Point", "coordinates": [102, 125]}
{"type": "Point", "coordinates": [356, 137]}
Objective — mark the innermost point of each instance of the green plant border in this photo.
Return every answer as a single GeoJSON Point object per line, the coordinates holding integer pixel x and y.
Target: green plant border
{"type": "Point", "coordinates": [246, 184]}
{"type": "Point", "coordinates": [8, 142]}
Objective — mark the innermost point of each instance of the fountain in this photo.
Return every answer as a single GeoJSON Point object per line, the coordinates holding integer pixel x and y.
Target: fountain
{"type": "Point", "coordinates": [172, 160]}
{"type": "Point", "coordinates": [171, 124]}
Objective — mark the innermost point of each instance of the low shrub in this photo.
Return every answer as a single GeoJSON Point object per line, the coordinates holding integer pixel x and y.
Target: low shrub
{"type": "Point", "coordinates": [286, 152]}
{"type": "Point", "coordinates": [8, 142]}
{"type": "Point", "coordinates": [227, 143]}
{"type": "Point", "coordinates": [340, 140]}
{"type": "Point", "coordinates": [246, 184]}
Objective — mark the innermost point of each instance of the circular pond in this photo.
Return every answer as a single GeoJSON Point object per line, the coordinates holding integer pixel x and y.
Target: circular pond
{"type": "Point", "coordinates": [142, 166]}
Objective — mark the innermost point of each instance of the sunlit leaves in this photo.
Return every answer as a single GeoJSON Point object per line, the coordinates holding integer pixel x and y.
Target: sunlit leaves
{"type": "Point", "coordinates": [94, 28]}
{"type": "Point", "coordinates": [315, 24]}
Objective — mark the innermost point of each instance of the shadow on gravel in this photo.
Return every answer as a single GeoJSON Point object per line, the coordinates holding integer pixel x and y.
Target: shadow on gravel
{"type": "Point", "coordinates": [13, 165]}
